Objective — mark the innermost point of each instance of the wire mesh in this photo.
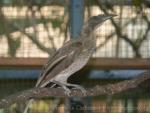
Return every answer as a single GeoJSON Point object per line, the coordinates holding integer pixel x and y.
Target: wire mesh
{"type": "Point", "coordinates": [127, 36]}
{"type": "Point", "coordinates": [38, 32]}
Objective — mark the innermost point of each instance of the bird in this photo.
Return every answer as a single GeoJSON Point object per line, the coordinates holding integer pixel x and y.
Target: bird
{"type": "Point", "coordinates": [70, 58]}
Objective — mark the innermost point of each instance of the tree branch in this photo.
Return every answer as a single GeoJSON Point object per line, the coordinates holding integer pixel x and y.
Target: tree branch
{"type": "Point", "coordinates": [119, 31]}
{"type": "Point", "coordinates": [108, 89]}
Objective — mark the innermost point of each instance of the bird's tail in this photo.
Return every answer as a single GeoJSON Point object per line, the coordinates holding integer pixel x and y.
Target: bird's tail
{"type": "Point", "coordinates": [27, 106]}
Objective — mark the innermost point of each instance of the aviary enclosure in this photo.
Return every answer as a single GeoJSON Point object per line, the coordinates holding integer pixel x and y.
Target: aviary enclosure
{"type": "Point", "coordinates": [116, 77]}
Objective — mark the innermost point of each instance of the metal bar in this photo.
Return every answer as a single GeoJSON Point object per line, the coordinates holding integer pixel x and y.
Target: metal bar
{"type": "Point", "coordinates": [22, 62]}
{"type": "Point", "coordinates": [119, 63]}
{"type": "Point", "coordinates": [94, 63]}
{"type": "Point", "coordinates": [76, 17]}
{"type": "Point", "coordinates": [59, 2]}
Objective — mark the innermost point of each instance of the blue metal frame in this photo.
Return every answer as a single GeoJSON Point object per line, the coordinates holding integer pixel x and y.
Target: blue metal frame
{"type": "Point", "coordinates": [19, 73]}
{"type": "Point", "coordinates": [76, 17]}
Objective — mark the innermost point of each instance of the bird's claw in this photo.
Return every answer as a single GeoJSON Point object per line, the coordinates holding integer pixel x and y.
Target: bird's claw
{"type": "Point", "coordinates": [84, 92]}
{"type": "Point", "coordinates": [67, 91]}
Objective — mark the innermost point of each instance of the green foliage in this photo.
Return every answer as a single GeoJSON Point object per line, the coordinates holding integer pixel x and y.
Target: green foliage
{"type": "Point", "coordinates": [14, 44]}
{"type": "Point", "coordinates": [137, 3]}
{"type": "Point", "coordinates": [91, 2]}
{"type": "Point", "coordinates": [2, 24]}
{"type": "Point", "coordinates": [56, 23]}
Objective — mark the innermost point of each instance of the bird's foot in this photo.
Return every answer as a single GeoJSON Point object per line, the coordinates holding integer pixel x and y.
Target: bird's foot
{"type": "Point", "coordinates": [78, 87]}
{"type": "Point", "coordinates": [67, 90]}
{"type": "Point", "coordinates": [63, 85]}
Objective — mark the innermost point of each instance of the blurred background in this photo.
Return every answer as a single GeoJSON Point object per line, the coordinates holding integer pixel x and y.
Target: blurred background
{"type": "Point", "coordinates": [32, 30]}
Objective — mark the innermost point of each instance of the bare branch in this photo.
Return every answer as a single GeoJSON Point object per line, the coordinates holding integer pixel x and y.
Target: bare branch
{"type": "Point", "coordinates": [119, 31]}
{"type": "Point", "coordinates": [31, 37]}
{"type": "Point", "coordinates": [108, 89]}
{"type": "Point", "coordinates": [114, 33]}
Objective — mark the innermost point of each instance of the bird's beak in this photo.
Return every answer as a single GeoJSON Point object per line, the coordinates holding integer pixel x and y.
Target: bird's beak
{"type": "Point", "coordinates": [96, 21]}
{"type": "Point", "coordinates": [106, 17]}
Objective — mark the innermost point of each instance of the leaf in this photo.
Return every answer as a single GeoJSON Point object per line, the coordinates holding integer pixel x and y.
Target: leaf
{"type": "Point", "coordinates": [14, 44]}
{"type": "Point", "coordinates": [137, 3]}
{"type": "Point", "coordinates": [56, 23]}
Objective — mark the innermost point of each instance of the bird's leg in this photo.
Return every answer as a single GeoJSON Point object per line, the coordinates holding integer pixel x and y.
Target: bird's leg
{"type": "Point", "coordinates": [63, 85]}
{"type": "Point", "coordinates": [77, 87]}
{"type": "Point", "coordinates": [53, 85]}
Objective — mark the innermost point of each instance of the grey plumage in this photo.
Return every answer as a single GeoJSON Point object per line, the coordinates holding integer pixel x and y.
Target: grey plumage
{"type": "Point", "coordinates": [71, 57]}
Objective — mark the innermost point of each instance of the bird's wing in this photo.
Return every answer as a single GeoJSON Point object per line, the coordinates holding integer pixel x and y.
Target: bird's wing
{"type": "Point", "coordinates": [48, 66]}
{"type": "Point", "coordinates": [59, 61]}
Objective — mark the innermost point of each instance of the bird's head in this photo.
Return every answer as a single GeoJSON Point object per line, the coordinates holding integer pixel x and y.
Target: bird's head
{"type": "Point", "coordinates": [95, 21]}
